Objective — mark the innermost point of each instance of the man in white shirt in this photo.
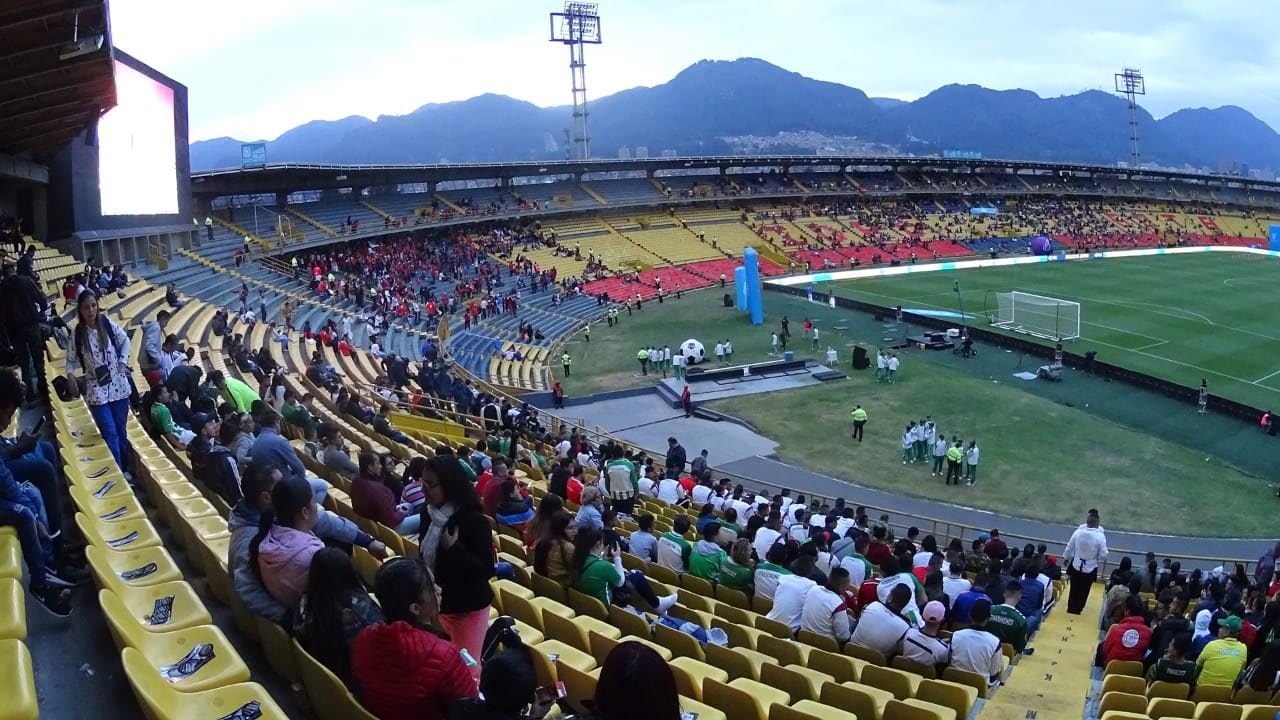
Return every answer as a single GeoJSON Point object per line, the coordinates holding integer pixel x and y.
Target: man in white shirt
{"type": "Point", "coordinates": [670, 491]}
{"type": "Point", "coordinates": [701, 493]}
{"type": "Point", "coordinates": [788, 599]}
{"type": "Point", "coordinates": [955, 582]}
{"type": "Point", "coordinates": [563, 447]}
{"type": "Point", "coordinates": [720, 352]}
{"type": "Point", "coordinates": [976, 650]}
{"type": "Point", "coordinates": [882, 625]}
{"type": "Point", "coordinates": [893, 368]}
{"type": "Point", "coordinates": [825, 610]}
{"type": "Point", "coordinates": [928, 547]}
{"type": "Point", "coordinates": [923, 645]}
{"type": "Point", "coordinates": [766, 535]}
{"type": "Point", "coordinates": [1086, 548]}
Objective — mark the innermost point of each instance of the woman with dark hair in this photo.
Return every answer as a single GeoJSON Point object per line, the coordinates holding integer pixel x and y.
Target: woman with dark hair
{"type": "Point", "coordinates": [1122, 573]}
{"type": "Point", "coordinates": [636, 684]}
{"type": "Point", "coordinates": [548, 508]}
{"type": "Point", "coordinates": [406, 668]}
{"type": "Point", "coordinates": [597, 571]}
{"type": "Point", "coordinates": [508, 690]}
{"type": "Point", "coordinates": [335, 600]}
{"type": "Point", "coordinates": [282, 550]}
{"type": "Point", "coordinates": [100, 350]}
{"type": "Point", "coordinates": [1263, 674]}
{"type": "Point", "coordinates": [457, 546]}
{"type": "Point", "coordinates": [554, 552]}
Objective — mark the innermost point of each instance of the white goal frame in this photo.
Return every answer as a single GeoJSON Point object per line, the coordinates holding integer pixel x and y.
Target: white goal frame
{"type": "Point", "coordinates": [1037, 315]}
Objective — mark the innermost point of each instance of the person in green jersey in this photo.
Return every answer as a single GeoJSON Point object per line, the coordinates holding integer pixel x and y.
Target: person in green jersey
{"type": "Point", "coordinates": [162, 419]}
{"type": "Point", "coordinates": [597, 571]}
{"type": "Point", "coordinates": [1174, 667]}
{"type": "Point", "coordinates": [673, 550]}
{"type": "Point", "coordinates": [768, 572]}
{"type": "Point", "coordinates": [707, 557]}
{"type": "Point", "coordinates": [738, 568]}
{"type": "Point", "coordinates": [1006, 622]}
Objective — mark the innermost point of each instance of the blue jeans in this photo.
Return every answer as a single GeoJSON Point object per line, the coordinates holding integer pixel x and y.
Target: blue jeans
{"type": "Point", "coordinates": [33, 551]}
{"type": "Point", "coordinates": [40, 468]}
{"type": "Point", "coordinates": [110, 418]}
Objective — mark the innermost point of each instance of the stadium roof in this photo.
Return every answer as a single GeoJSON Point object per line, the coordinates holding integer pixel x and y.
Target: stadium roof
{"type": "Point", "coordinates": [56, 78]}
{"type": "Point", "coordinates": [291, 177]}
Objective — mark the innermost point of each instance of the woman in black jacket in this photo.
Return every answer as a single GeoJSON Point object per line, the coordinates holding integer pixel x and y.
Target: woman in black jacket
{"type": "Point", "coordinates": [457, 544]}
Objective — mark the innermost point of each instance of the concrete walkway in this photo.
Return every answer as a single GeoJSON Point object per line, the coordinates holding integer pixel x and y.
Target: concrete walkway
{"type": "Point", "coordinates": [647, 421]}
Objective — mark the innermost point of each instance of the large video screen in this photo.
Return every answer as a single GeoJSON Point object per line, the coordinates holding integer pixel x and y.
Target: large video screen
{"type": "Point", "coordinates": [137, 157]}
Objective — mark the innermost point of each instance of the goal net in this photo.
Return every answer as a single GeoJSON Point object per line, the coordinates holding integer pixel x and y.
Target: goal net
{"type": "Point", "coordinates": [1037, 315]}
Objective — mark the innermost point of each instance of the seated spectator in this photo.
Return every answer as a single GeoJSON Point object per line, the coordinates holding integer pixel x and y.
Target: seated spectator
{"type": "Point", "coordinates": [770, 572]}
{"type": "Point", "coordinates": [976, 650]}
{"type": "Point", "coordinates": [674, 551]}
{"type": "Point", "coordinates": [1006, 623]}
{"type": "Point", "coordinates": [335, 453]}
{"type": "Point", "coordinates": [597, 571]}
{"type": "Point", "coordinates": [1129, 638]}
{"type": "Point", "coordinates": [284, 545]}
{"type": "Point", "coordinates": [333, 611]}
{"type": "Point", "coordinates": [923, 645]}
{"type": "Point", "coordinates": [157, 409]}
{"type": "Point", "coordinates": [382, 425]}
{"type": "Point", "coordinates": [706, 516]}
{"type": "Point", "coordinates": [768, 534]}
{"type": "Point", "coordinates": [373, 500]}
{"type": "Point", "coordinates": [737, 569]}
{"type": "Point", "coordinates": [1263, 674]}
{"type": "Point", "coordinates": [406, 668]}
{"type": "Point", "coordinates": [553, 552]}
{"type": "Point", "coordinates": [1173, 624]}
{"type": "Point", "coordinates": [893, 574]}
{"type": "Point", "coordinates": [548, 507]}
{"type": "Point", "coordinates": [788, 599]}
{"type": "Point", "coordinates": [882, 625]}
{"type": "Point", "coordinates": [1221, 660]}
{"type": "Point", "coordinates": [1173, 665]}
{"type": "Point", "coordinates": [508, 686]}
{"type": "Point", "coordinates": [515, 510]}
{"type": "Point", "coordinates": [825, 611]}
{"type": "Point", "coordinates": [221, 473]}
{"type": "Point", "coordinates": [644, 544]}
{"type": "Point", "coordinates": [296, 413]}
{"type": "Point", "coordinates": [635, 682]}
{"type": "Point", "coordinates": [670, 491]}
{"type": "Point", "coordinates": [954, 584]}
{"type": "Point", "coordinates": [707, 556]}
{"type": "Point", "coordinates": [242, 443]}
{"type": "Point", "coordinates": [591, 509]}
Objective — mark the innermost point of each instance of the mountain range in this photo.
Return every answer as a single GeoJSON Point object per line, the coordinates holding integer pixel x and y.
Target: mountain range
{"type": "Point", "coordinates": [705, 106]}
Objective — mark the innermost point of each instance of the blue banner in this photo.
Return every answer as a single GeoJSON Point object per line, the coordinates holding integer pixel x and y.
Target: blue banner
{"type": "Point", "coordinates": [1273, 240]}
{"type": "Point", "coordinates": [253, 154]}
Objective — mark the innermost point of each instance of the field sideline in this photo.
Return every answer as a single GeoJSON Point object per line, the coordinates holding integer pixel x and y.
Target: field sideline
{"type": "Point", "coordinates": [1178, 317]}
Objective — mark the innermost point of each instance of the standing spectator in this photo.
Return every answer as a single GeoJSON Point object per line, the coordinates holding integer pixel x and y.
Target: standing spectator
{"type": "Point", "coordinates": [335, 601]}
{"type": "Point", "coordinates": [675, 458]}
{"type": "Point", "coordinates": [976, 650]}
{"type": "Point", "coordinates": [1085, 549]}
{"type": "Point", "coordinates": [621, 481]}
{"type": "Point", "coordinates": [101, 351]}
{"type": "Point", "coordinates": [971, 462]}
{"type": "Point", "coordinates": [458, 544]}
{"type": "Point", "coordinates": [406, 668]}
{"type": "Point", "coordinates": [22, 305]}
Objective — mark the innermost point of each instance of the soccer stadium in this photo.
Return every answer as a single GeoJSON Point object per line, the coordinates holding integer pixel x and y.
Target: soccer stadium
{"type": "Point", "coordinates": [941, 438]}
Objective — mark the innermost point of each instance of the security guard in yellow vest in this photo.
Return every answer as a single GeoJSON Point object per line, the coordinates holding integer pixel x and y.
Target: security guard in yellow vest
{"type": "Point", "coordinates": [566, 361]}
{"type": "Point", "coordinates": [643, 357]}
{"type": "Point", "coordinates": [859, 419]}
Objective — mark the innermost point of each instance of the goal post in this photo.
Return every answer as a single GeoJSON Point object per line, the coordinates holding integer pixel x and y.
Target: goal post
{"type": "Point", "coordinates": [1037, 315]}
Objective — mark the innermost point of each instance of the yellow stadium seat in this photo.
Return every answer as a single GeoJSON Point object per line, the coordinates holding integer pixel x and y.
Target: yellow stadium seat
{"type": "Point", "coordinates": [549, 655]}
{"type": "Point", "coordinates": [1123, 667]}
{"type": "Point", "coordinates": [841, 667]}
{"type": "Point", "coordinates": [328, 696]}
{"type": "Point", "coordinates": [123, 507]}
{"type": "Point", "coordinates": [1162, 689]}
{"type": "Point", "coordinates": [601, 646]}
{"type": "Point", "coordinates": [277, 645]}
{"type": "Point", "coordinates": [822, 642]}
{"type": "Point", "coordinates": [629, 623]}
{"type": "Point", "coordinates": [546, 587]}
{"type": "Point", "coordinates": [916, 668]}
{"type": "Point", "coordinates": [10, 554]}
{"type": "Point", "coordinates": [171, 649]}
{"type": "Point", "coordinates": [118, 536]}
{"type": "Point", "coordinates": [1259, 712]}
{"type": "Point", "coordinates": [798, 682]}
{"type": "Point", "coordinates": [13, 610]}
{"type": "Point", "coordinates": [868, 655]}
{"type": "Point", "coordinates": [148, 566]}
{"type": "Point", "coordinates": [185, 610]}
{"type": "Point", "coordinates": [1123, 701]}
{"type": "Point", "coordinates": [700, 710]}
{"type": "Point", "coordinates": [587, 605]}
{"type": "Point", "coordinates": [913, 709]}
{"type": "Point", "coordinates": [17, 682]}
{"type": "Point", "coordinates": [787, 652]}
{"type": "Point", "coordinates": [1248, 696]}
{"type": "Point", "coordinates": [902, 684]}
{"type": "Point", "coordinates": [573, 631]}
{"type": "Point", "coordinates": [809, 710]}
{"type": "Point", "coordinates": [693, 583]}
{"type": "Point", "coordinates": [738, 662]}
{"type": "Point", "coordinates": [1211, 693]}
{"type": "Point", "coordinates": [960, 698]}
{"type": "Point", "coordinates": [1217, 711]}
{"type": "Point", "coordinates": [1163, 707]}
{"type": "Point", "coordinates": [1124, 683]}
{"type": "Point", "coordinates": [681, 644]}
{"type": "Point", "coordinates": [163, 702]}
{"type": "Point", "coordinates": [691, 673]}
{"type": "Point", "coordinates": [965, 677]}
{"type": "Point", "coordinates": [578, 685]}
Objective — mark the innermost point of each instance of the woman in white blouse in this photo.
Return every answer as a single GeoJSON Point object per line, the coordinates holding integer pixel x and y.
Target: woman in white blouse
{"type": "Point", "coordinates": [100, 351]}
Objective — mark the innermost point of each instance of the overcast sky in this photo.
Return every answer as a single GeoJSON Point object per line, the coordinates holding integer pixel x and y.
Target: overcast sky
{"type": "Point", "coordinates": [256, 68]}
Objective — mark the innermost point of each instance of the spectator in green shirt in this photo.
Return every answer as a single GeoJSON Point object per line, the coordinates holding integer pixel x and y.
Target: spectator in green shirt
{"type": "Point", "coordinates": [162, 418]}
{"type": "Point", "coordinates": [707, 556]}
{"type": "Point", "coordinates": [673, 550]}
{"type": "Point", "coordinates": [737, 569]}
{"type": "Point", "coordinates": [234, 391]}
{"type": "Point", "coordinates": [1221, 660]}
{"type": "Point", "coordinates": [1006, 622]}
{"type": "Point", "coordinates": [296, 413]}
{"type": "Point", "coordinates": [1174, 667]}
{"type": "Point", "coordinates": [597, 571]}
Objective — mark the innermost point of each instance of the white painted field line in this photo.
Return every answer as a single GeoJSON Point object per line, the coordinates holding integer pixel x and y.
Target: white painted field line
{"type": "Point", "coordinates": [1265, 377]}
{"type": "Point", "coordinates": [1152, 345]}
{"type": "Point", "coordinates": [1206, 371]}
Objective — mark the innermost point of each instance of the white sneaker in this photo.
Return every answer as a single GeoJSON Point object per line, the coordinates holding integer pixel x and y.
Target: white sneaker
{"type": "Point", "coordinates": [53, 580]}
{"type": "Point", "coordinates": [665, 603]}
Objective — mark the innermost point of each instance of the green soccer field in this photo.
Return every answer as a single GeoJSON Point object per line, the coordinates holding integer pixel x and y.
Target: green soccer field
{"type": "Point", "coordinates": [1177, 317]}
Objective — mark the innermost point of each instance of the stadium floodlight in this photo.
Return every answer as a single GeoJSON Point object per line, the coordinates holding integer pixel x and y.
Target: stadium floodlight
{"type": "Point", "coordinates": [1131, 84]}
{"type": "Point", "coordinates": [578, 26]}
{"type": "Point", "coordinates": [1036, 315]}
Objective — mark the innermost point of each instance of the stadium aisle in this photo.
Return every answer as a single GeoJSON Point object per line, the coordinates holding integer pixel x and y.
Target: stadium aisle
{"type": "Point", "coordinates": [1054, 682]}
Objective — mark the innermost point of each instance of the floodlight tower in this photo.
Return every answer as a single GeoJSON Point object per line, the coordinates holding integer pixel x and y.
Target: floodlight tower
{"type": "Point", "coordinates": [1130, 83]}
{"type": "Point", "coordinates": [577, 27]}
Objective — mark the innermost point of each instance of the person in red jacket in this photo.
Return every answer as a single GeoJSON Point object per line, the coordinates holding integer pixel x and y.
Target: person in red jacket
{"type": "Point", "coordinates": [406, 668]}
{"type": "Point", "coordinates": [1129, 638]}
{"type": "Point", "coordinates": [371, 499]}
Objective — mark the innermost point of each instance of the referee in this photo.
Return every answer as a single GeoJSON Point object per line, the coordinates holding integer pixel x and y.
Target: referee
{"type": "Point", "coordinates": [1086, 548]}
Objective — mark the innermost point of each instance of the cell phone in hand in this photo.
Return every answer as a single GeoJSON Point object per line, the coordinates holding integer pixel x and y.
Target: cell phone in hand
{"type": "Point", "coordinates": [35, 429]}
{"type": "Point", "coordinates": [549, 694]}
